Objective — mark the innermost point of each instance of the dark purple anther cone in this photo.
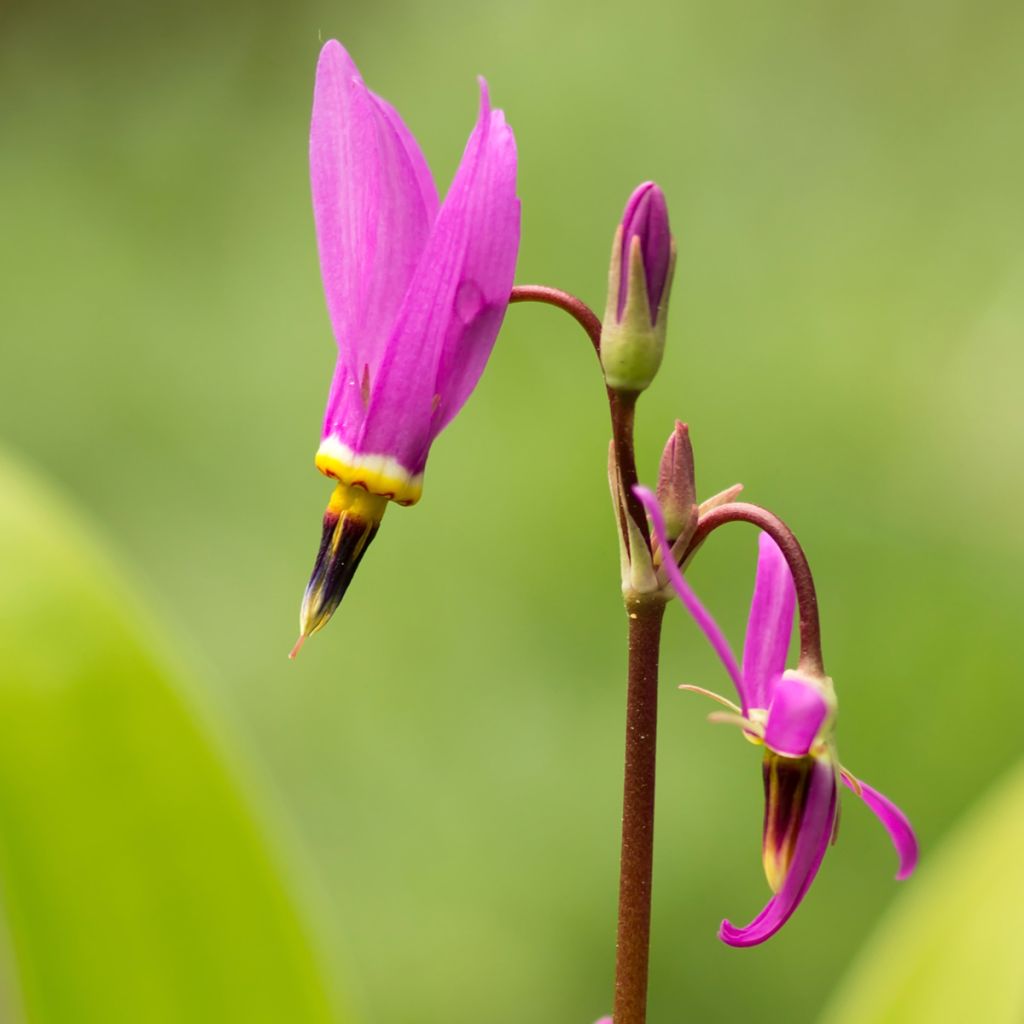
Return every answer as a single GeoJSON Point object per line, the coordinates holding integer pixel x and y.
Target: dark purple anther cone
{"type": "Point", "coordinates": [646, 218]}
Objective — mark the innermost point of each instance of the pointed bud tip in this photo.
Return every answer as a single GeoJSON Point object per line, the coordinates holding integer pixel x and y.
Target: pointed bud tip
{"type": "Point", "coordinates": [645, 219]}
{"type": "Point", "coordinates": [294, 652]}
{"type": "Point", "coordinates": [677, 489]}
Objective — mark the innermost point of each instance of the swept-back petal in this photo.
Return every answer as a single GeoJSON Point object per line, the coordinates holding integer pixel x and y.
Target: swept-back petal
{"type": "Point", "coordinates": [894, 821]}
{"type": "Point", "coordinates": [812, 841]}
{"type": "Point", "coordinates": [456, 300]}
{"type": "Point", "coordinates": [373, 203]}
{"type": "Point", "coordinates": [769, 625]}
{"type": "Point", "coordinates": [795, 716]}
{"type": "Point", "coordinates": [690, 600]}
{"type": "Point", "coordinates": [417, 161]}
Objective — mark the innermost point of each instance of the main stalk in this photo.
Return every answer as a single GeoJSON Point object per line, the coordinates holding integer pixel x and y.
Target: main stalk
{"type": "Point", "coordinates": [636, 865]}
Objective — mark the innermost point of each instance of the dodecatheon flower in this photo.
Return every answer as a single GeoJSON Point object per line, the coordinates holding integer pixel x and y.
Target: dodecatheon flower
{"type": "Point", "coordinates": [639, 280]}
{"type": "Point", "coordinates": [793, 715]}
{"type": "Point", "coordinates": [416, 293]}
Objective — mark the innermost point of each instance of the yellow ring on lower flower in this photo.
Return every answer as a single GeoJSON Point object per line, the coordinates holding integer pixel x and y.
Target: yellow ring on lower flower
{"type": "Point", "coordinates": [382, 475]}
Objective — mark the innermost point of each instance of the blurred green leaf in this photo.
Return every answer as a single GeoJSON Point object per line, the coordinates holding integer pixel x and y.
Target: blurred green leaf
{"type": "Point", "coordinates": [950, 950]}
{"type": "Point", "coordinates": [136, 882]}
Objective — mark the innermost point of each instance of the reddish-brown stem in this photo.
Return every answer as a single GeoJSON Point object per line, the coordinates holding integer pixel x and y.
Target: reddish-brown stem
{"type": "Point", "coordinates": [623, 407]}
{"type": "Point", "coordinates": [807, 600]}
{"type": "Point", "coordinates": [636, 864]}
{"type": "Point", "coordinates": [576, 308]}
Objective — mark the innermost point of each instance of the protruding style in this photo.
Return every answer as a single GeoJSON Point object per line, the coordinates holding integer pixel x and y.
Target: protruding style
{"type": "Point", "coordinates": [416, 293]}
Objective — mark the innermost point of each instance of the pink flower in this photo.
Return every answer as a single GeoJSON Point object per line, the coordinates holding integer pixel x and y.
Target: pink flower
{"type": "Point", "coordinates": [792, 714]}
{"type": "Point", "coordinates": [416, 293]}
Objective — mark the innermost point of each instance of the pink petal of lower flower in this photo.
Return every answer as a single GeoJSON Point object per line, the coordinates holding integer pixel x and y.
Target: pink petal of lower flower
{"type": "Point", "coordinates": [895, 823]}
{"type": "Point", "coordinates": [795, 715]}
{"type": "Point", "coordinates": [811, 844]}
{"type": "Point", "coordinates": [770, 624]}
{"type": "Point", "coordinates": [690, 600]}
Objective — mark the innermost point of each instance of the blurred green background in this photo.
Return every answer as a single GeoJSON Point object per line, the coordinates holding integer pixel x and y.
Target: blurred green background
{"type": "Point", "coordinates": [441, 766]}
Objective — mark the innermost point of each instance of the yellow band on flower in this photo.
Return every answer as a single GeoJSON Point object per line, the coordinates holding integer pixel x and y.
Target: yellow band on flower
{"type": "Point", "coordinates": [379, 475]}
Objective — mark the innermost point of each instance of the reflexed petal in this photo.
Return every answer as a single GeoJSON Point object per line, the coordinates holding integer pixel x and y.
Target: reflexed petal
{"type": "Point", "coordinates": [424, 177]}
{"type": "Point", "coordinates": [449, 320]}
{"type": "Point", "coordinates": [373, 203]}
{"type": "Point", "coordinates": [895, 823]}
{"type": "Point", "coordinates": [795, 715]}
{"type": "Point", "coordinates": [811, 843]}
{"type": "Point", "coordinates": [704, 620]}
{"type": "Point", "coordinates": [770, 624]}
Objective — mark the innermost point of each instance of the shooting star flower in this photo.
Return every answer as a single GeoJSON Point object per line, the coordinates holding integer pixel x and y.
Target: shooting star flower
{"type": "Point", "coordinates": [416, 292]}
{"type": "Point", "coordinates": [792, 714]}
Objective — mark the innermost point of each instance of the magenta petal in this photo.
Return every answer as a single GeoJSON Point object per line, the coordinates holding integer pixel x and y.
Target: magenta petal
{"type": "Point", "coordinates": [769, 625]}
{"type": "Point", "coordinates": [491, 211]}
{"type": "Point", "coordinates": [372, 205]}
{"type": "Point", "coordinates": [456, 300]}
{"type": "Point", "coordinates": [795, 716]}
{"type": "Point", "coordinates": [895, 823]}
{"type": "Point", "coordinates": [811, 844]}
{"type": "Point", "coordinates": [417, 161]}
{"type": "Point", "coordinates": [646, 218]}
{"type": "Point", "coordinates": [702, 617]}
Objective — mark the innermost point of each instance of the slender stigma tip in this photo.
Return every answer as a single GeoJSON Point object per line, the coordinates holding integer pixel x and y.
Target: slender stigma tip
{"type": "Point", "coordinates": [293, 653]}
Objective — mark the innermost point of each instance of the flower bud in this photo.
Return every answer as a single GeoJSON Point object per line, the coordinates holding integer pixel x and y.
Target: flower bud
{"type": "Point", "coordinates": [639, 279]}
{"type": "Point", "coordinates": [677, 491]}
